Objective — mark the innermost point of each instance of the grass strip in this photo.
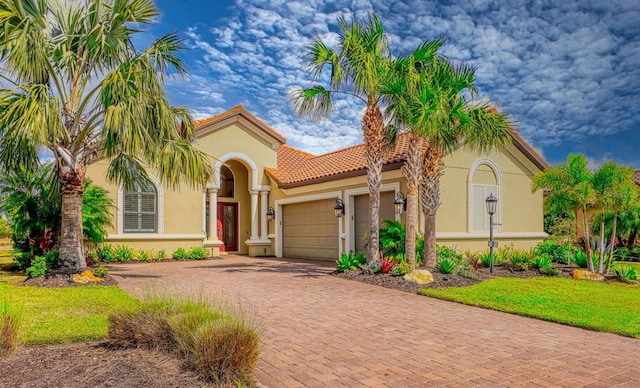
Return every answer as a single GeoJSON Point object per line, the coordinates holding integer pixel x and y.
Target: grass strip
{"type": "Point", "coordinates": [598, 306]}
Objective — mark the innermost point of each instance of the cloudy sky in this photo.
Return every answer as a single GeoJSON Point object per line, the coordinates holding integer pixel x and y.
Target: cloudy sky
{"type": "Point", "coordinates": [568, 72]}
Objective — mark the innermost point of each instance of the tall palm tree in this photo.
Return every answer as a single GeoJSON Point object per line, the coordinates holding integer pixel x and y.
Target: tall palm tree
{"type": "Point", "coordinates": [357, 67]}
{"type": "Point", "coordinates": [81, 89]}
{"type": "Point", "coordinates": [456, 122]}
{"type": "Point", "coordinates": [570, 187]}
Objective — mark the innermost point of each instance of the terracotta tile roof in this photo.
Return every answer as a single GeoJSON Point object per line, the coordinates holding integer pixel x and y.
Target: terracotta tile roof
{"type": "Point", "coordinates": [296, 167]}
{"type": "Point", "coordinates": [240, 111]}
{"type": "Point", "coordinates": [636, 177]}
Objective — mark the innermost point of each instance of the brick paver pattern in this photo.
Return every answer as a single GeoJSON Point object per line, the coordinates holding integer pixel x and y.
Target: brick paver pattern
{"type": "Point", "coordinates": [323, 331]}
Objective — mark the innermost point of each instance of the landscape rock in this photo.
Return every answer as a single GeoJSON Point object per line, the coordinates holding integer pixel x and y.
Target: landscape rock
{"type": "Point", "coordinates": [85, 276]}
{"type": "Point", "coordinates": [584, 274]}
{"type": "Point", "coordinates": [419, 276]}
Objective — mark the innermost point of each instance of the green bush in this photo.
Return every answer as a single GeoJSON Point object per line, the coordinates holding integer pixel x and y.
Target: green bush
{"type": "Point", "coordinates": [580, 258]}
{"type": "Point", "coordinates": [40, 265]}
{"type": "Point", "coordinates": [107, 254]}
{"type": "Point", "coordinates": [5, 231]}
{"type": "Point", "coordinates": [541, 262]}
{"type": "Point", "coordinates": [401, 269]}
{"type": "Point", "coordinates": [161, 255]}
{"type": "Point", "coordinates": [446, 265]}
{"type": "Point", "coordinates": [392, 238]}
{"type": "Point", "coordinates": [485, 259]}
{"type": "Point", "coordinates": [349, 261]}
{"type": "Point", "coordinates": [124, 254]}
{"type": "Point", "coordinates": [626, 273]}
{"type": "Point", "coordinates": [548, 270]}
{"type": "Point", "coordinates": [197, 253]}
{"type": "Point", "coordinates": [100, 271]}
{"type": "Point", "coordinates": [519, 260]}
{"type": "Point", "coordinates": [10, 322]}
{"type": "Point", "coordinates": [144, 255]}
{"type": "Point", "coordinates": [180, 254]}
{"type": "Point", "coordinates": [622, 253]}
{"type": "Point", "coordinates": [558, 252]}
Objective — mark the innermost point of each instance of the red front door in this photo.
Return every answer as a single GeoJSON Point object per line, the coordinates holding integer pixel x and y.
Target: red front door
{"type": "Point", "coordinates": [228, 218]}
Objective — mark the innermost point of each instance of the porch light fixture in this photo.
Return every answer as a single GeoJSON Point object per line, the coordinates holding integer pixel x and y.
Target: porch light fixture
{"type": "Point", "coordinates": [339, 208]}
{"type": "Point", "coordinates": [400, 203]}
{"type": "Point", "coordinates": [271, 214]}
{"type": "Point", "coordinates": [492, 203]}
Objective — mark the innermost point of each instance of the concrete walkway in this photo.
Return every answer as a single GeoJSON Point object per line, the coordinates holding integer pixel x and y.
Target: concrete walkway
{"type": "Point", "coordinates": [325, 331]}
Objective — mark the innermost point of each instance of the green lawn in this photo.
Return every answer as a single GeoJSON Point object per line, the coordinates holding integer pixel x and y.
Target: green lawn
{"type": "Point", "coordinates": [55, 315]}
{"type": "Point", "coordinates": [599, 306]}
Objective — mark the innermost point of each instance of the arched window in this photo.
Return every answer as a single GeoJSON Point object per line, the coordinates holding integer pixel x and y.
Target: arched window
{"type": "Point", "coordinates": [484, 179]}
{"type": "Point", "coordinates": [226, 182]}
{"type": "Point", "coordinates": [141, 209]}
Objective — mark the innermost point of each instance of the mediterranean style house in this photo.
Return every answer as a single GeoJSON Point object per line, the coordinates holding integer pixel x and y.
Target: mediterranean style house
{"type": "Point", "coordinates": [269, 199]}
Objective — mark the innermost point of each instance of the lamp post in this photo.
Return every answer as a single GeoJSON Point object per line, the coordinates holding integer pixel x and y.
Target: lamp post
{"type": "Point", "coordinates": [491, 202]}
{"type": "Point", "coordinates": [400, 203]}
{"type": "Point", "coordinates": [339, 208]}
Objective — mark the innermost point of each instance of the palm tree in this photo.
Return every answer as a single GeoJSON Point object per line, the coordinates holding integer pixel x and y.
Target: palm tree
{"type": "Point", "coordinates": [358, 67]}
{"type": "Point", "coordinates": [570, 187]}
{"type": "Point", "coordinates": [80, 89]}
{"type": "Point", "coordinates": [455, 123]}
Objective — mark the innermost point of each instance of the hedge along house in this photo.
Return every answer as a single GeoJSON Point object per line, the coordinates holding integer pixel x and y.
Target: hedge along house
{"type": "Point", "coordinates": [256, 173]}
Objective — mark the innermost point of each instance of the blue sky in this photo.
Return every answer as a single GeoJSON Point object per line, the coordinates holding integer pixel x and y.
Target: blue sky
{"type": "Point", "coordinates": [568, 72]}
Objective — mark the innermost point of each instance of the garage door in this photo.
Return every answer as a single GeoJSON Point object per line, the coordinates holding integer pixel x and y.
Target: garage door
{"type": "Point", "coordinates": [310, 230]}
{"type": "Point", "coordinates": [361, 217]}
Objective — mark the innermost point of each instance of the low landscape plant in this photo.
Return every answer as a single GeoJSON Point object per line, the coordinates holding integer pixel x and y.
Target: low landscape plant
{"type": "Point", "coordinates": [541, 262]}
{"type": "Point", "coordinates": [387, 264]}
{"type": "Point", "coordinates": [622, 253]}
{"type": "Point", "coordinates": [197, 253]}
{"type": "Point", "coordinates": [107, 254]}
{"type": "Point", "coordinates": [549, 270]}
{"type": "Point", "coordinates": [446, 265]}
{"type": "Point", "coordinates": [124, 254]}
{"type": "Point", "coordinates": [372, 268]}
{"type": "Point", "coordinates": [580, 259]}
{"type": "Point", "coordinates": [626, 273]}
{"type": "Point", "coordinates": [401, 268]}
{"type": "Point", "coordinates": [180, 254]}
{"type": "Point", "coordinates": [519, 260]}
{"type": "Point", "coordinates": [100, 271]}
{"type": "Point", "coordinates": [161, 255]}
{"type": "Point", "coordinates": [557, 251]}
{"type": "Point", "coordinates": [10, 324]}
{"type": "Point", "coordinates": [474, 259]}
{"type": "Point", "coordinates": [144, 255]}
{"type": "Point", "coordinates": [220, 344]}
{"type": "Point", "coordinates": [349, 261]}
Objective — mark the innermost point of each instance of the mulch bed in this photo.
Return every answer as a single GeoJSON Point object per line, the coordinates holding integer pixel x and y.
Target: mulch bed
{"type": "Point", "coordinates": [442, 280]}
{"type": "Point", "coordinates": [61, 280]}
{"type": "Point", "coordinates": [93, 364]}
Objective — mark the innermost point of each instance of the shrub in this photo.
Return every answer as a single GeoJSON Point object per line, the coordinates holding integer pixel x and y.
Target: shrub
{"type": "Point", "coordinates": [401, 269]}
{"type": "Point", "coordinates": [626, 273]}
{"type": "Point", "coordinates": [548, 270]}
{"type": "Point", "coordinates": [197, 253]}
{"type": "Point", "coordinates": [107, 254]}
{"type": "Point", "coordinates": [446, 265]}
{"type": "Point", "coordinates": [580, 258]}
{"type": "Point", "coordinates": [445, 252]}
{"type": "Point", "coordinates": [10, 321]}
{"type": "Point", "coordinates": [622, 253]}
{"type": "Point", "coordinates": [541, 262]}
{"type": "Point", "coordinates": [5, 231]}
{"type": "Point", "coordinates": [180, 254]}
{"type": "Point", "coordinates": [372, 268]}
{"type": "Point", "coordinates": [387, 264]}
{"type": "Point", "coordinates": [519, 260]}
{"type": "Point", "coordinates": [556, 251]}
{"type": "Point", "coordinates": [474, 259]}
{"type": "Point", "coordinates": [144, 255]}
{"type": "Point", "coordinates": [124, 254]}
{"type": "Point", "coordinates": [419, 249]}
{"type": "Point", "coordinates": [38, 267]}
{"type": "Point", "coordinates": [161, 255]}
{"type": "Point", "coordinates": [485, 259]}
{"type": "Point", "coordinates": [392, 237]}
{"type": "Point", "coordinates": [349, 261]}
{"type": "Point", "coordinates": [100, 271]}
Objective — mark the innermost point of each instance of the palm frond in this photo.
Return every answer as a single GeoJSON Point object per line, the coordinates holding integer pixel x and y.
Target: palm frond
{"type": "Point", "coordinates": [127, 170]}
{"type": "Point", "coordinates": [314, 102]}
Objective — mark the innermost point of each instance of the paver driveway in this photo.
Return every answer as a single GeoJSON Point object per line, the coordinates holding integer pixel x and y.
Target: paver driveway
{"type": "Point", "coordinates": [325, 331]}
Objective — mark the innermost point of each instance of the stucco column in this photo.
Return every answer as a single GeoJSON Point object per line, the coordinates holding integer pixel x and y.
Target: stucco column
{"type": "Point", "coordinates": [263, 215]}
{"type": "Point", "coordinates": [254, 215]}
{"type": "Point", "coordinates": [213, 215]}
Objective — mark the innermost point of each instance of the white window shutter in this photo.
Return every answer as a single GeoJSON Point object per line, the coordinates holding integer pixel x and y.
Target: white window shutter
{"type": "Point", "coordinates": [478, 206]}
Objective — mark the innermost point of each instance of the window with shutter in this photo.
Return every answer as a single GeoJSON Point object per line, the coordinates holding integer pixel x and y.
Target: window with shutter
{"type": "Point", "coordinates": [480, 217]}
{"type": "Point", "coordinates": [141, 209]}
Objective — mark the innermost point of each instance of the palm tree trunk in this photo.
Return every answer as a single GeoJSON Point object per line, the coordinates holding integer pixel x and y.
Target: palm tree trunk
{"type": "Point", "coordinates": [71, 248]}
{"type": "Point", "coordinates": [432, 170]}
{"type": "Point", "coordinates": [411, 171]}
{"type": "Point", "coordinates": [601, 253]}
{"type": "Point", "coordinates": [587, 242]}
{"type": "Point", "coordinates": [375, 143]}
{"type": "Point", "coordinates": [632, 238]}
{"type": "Point", "coordinates": [613, 242]}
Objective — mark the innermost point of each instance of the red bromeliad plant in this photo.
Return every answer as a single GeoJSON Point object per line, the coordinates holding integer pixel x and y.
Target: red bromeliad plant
{"type": "Point", "coordinates": [386, 264]}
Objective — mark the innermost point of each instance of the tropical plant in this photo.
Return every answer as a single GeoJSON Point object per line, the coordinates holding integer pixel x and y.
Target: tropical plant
{"type": "Point", "coordinates": [446, 265]}
{"type": "Point", "coordinates": [570, 189]}
{"type": "Point", "coordinates": [474, 259]}
{"type": "Point", "coordinates": [392, 238]}
{"type": "Point", "coordinates": [198, 253]}
{"type": "Point", "coordinates": [143, 255]}
{"type": "Point", "coordinates": [548, 270]}
{"type": "Point", "coordinates": [626, 273]}
{"type": "Point", "coordinates": [372, 267]}
{"type": "Point", "coordinates": [80, 89]}
{"type": "Point", "coordinates": [519, 260]}
{"type": "Point", "coordinates": [124, 254]}
{"type": "Point", "coordinates": [386, 264]}
{"type": "Point", "coordinates": [401, 269]}
{"type": "Point", "coordinates": [161, 255]}
{"type": "Point", "coordinates": [622, 253]}
{"type": "Point", "coordinates": [357, 67]}
{"type": "Point", "coordinates": [5, 230]}
{"type": "Point", "coordinates": [541, 262]}
{"type": "Point", "coordinates": [349, 261]}
{"type": "Point", "coordinates": [100, 271]}
{"type": "Point", "coordinates": [580, 259]}
{"type": "Point", "coordinates": [180, 254]}
{"type": "Point", "coordinates": [107, 254]}
{"type": "Point", "coordinates": [557, 251]}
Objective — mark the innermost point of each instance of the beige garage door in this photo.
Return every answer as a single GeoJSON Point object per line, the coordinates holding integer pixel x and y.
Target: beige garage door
{"type": "Point", "coordinates": [310, 230]}
{"type": "Point", "coordinates": [361, 217]}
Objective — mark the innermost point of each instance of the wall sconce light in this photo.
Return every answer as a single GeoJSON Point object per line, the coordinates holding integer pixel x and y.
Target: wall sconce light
{"type": "Point", "coordinates": [400, 203]}
{"type": "Point", "coordinates": [339, 208]}
{"type": "Point", "coordinates": [271, 214]}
